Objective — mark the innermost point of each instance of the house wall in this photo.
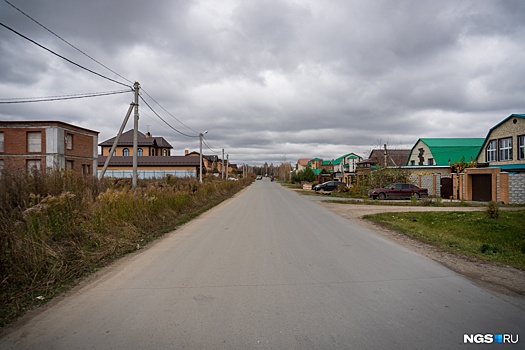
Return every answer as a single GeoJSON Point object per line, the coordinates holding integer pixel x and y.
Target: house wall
{"type": "Point", "coordinates": [513, 127]}
{"type": "Point", "coordinates": [420, 155]}
{"type": "Point", "coordinates": [53, 153]}
{"type": "Point", "coordinates": [146, 151]}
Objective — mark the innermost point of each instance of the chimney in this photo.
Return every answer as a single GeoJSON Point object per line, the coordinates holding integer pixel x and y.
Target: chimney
{"type": "Point", "coordinates": [148, 135]}
{"type": "Point", "coordinates": [186, 152]}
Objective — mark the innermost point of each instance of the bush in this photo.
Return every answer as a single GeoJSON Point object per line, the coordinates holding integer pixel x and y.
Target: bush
{"type": "Point", "coordinates": [492, 210]}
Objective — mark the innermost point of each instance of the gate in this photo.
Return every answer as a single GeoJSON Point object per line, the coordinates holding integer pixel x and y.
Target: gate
{"type": "Point", "coordinates": [446, 187]}
{"type": "Point", "coordinates": [482, 187]}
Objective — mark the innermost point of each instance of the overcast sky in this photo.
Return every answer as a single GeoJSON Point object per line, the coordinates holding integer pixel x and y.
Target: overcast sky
{"type": "Point", "coordinates": [272, 80]}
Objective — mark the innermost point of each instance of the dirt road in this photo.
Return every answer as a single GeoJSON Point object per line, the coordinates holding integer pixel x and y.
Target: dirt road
{"type": "Point", "coordinates": [504, 279]}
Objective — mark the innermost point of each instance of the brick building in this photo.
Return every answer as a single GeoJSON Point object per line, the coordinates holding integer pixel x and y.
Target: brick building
{"type": "Point", "coordinates": [48, 145]}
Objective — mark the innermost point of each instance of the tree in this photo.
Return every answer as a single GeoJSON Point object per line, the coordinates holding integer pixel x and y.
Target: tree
{"type": "Point", "coordinates": [307, 175]}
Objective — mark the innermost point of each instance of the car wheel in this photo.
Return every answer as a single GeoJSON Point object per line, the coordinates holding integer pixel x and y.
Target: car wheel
{"type": "Point", "coordinates": [417, 195]}
{"type": "Point", "coordinates": [381, 195]}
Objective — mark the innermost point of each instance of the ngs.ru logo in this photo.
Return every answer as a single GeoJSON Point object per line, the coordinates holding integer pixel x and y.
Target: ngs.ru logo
{"type": "Point", "coordinates": [490, 338]}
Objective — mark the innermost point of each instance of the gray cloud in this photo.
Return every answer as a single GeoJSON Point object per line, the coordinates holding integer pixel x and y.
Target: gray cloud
{"type": "Point", "coordinates": [274, 79]}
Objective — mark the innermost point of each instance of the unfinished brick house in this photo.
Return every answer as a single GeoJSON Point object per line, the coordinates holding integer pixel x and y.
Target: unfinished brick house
{"type": "Point", "coordinates": [47, 145]}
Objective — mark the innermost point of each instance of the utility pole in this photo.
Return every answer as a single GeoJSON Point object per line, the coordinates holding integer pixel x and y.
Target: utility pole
{"type": "Point", "coordinates": [227, 164]}
{"type": "Point", "coordinates": [223, 164]}
{"type": "Point", "coordinates": [385, 154]}
{"type": "Point", "coordinates": [200, 155]}
{"type": "Point", "coordinates": [136, 88]}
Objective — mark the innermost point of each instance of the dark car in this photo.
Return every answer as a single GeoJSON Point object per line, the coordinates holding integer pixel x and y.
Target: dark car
{"type": "Point", "coordinates": [328, 186]}
{"type": "Point", "coordinates": [398, 191]}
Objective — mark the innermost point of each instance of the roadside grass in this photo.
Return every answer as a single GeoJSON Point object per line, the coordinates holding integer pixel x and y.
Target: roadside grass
{"type": "Point", "coordinates": [57, 228]}
{"type": "Point", "coordinates": [469, 233]}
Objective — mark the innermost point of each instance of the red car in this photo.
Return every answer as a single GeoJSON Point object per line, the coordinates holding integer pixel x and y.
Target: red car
{"type": "Point", "coordinates": [398, 191]}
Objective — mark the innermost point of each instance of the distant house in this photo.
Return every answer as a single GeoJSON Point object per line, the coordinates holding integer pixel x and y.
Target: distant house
{"type": "Point", "coordinates": [302, 163]}
{"type": "Point", "coordinates": [387, 157]}
{"type": "Point", "coordinates": [147, 145]}
{"type": "Point", "coordinates": [444, 151]}
{"type": "Point", "coordinates": [211, 163]}
{"type": "Point", "coordinates": [153, 158]}
{"type": "Point", "coordinates": [48, 145]}
{"type": "Point", "coordinates": [504, 146]}
{"type": "Point", "coordinates": [345, 167]}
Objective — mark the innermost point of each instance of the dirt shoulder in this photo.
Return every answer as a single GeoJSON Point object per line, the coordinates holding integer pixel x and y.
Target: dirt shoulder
{"type": "Point", "coordinates": [503, 279]}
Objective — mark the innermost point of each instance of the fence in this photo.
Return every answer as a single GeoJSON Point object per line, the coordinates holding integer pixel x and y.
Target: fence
{"type": "Point", "coordinates": [150, 174]}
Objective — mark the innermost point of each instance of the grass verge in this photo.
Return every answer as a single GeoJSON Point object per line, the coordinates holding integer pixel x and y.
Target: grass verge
{"type": "Point", "coordinates": [469, 233]}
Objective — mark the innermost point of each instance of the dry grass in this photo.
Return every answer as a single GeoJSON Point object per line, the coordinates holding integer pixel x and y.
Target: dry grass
{"type": "Point", "coordinates": [56, 228]}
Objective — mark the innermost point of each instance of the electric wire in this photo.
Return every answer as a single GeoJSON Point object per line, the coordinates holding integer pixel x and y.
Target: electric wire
{"type": "Point", "coordinates": [73, 46]}
{"type": "Point", "coordinates": [209, 147]}
{"type": "Point", "coordinates": [59, 98]}
{"type": "Point", "coordinates": [53, 98]}
{"type": "Point", "coordinates": [165, 110]}
{"type": "Point", "coordinates": [64, 58]}
{"type": "Point", "coordinates": [165, 122]}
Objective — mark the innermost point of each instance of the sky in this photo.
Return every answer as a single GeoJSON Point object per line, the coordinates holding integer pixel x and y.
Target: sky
{"type": "Point", "coordinates": [271, 81]}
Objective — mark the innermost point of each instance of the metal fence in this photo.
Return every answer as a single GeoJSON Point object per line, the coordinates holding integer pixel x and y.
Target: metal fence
{"type": "Point", "coordinates": [149, 174]}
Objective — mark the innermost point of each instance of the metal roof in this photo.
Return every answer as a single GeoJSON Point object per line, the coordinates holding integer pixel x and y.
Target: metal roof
{"type": "Point", "coordinates": [448, 150]}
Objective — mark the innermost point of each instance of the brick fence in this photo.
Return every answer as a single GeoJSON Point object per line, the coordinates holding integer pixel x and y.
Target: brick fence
{"type": "Point", "coordinates": [506, 188]}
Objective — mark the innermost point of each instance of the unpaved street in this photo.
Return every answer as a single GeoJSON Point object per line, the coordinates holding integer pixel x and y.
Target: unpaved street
{"type": "Point", "coordinates": [504, 279]}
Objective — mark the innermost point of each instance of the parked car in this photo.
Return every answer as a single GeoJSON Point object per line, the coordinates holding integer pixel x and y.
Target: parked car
{"type": "Point", "coordinates": [259, 177]}
{"type": "Point", "coordinates": [398, 191]}
{"type": "Point", "coordinates": [328, 186]}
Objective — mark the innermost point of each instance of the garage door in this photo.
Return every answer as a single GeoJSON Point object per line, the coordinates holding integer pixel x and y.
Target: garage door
{"type": "Point", "coordinates": [482, 188]}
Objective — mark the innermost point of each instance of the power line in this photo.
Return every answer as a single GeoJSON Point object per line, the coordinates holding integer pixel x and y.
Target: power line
{"type": "Point", "coordinates": [64, 58]}
{"type": "Point", "coordinates": [209, 147]}
{"type": "Point", "coordinates": [73, 46]}
{"type": "Point", "coordinates": [165, 110]}
{"type": "Point", "coordinates": [165, 122]}
{"type": "Point", "coordinates": [59, 98]}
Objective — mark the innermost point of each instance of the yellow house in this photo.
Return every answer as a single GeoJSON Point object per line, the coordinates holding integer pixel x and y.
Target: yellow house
{"type": "Point", "coordinates": [147, 145]}
{"type": "Point", "coordinates": [154, 159]}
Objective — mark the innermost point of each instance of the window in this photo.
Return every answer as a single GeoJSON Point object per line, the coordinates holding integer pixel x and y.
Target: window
{"type": "Point", "coordinates": [139, 152]}
{"type": "Point", "coordinates": [69, 141]}
{"type": "Point", "coordinates": [86, 169]}
{"type": "Point", "coordinates": [430, 161]}
{"type": "Point", "coordinates": [1, 166]}
{"type": "Point", "coordinates": [505, 149]}
{"type": "Point", "coordinates": [1, 142]}
{"type": "Point", "coordinates": [33, 165]}
{"type": "Point", "coordinates": [164, 152]}
{"type": "Point", "coordinates": [521, 147]}
{"type": "Point", "coordinates": [492, 151]}
{"type": "Point", "coordinates": [69, 165]}
{"type": "Point", "coordinates": [412, 162]}
{"type": "Point", "coordinates": [34, 141]}
{"type": "Point", "coordinates": [125, 152]}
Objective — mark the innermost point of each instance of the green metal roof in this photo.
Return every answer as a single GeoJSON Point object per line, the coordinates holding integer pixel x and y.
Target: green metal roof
{"type": "Point", "coordinates": [348, 155]}
{"type": "Point", "coordinates": [445, 150]}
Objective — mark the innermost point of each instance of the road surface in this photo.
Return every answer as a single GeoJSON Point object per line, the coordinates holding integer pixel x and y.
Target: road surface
{"type": "Point", "coordinates": [269, 269]}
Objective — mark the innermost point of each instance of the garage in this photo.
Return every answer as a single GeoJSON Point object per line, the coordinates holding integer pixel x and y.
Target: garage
{"type": "Point", "coordinates": [482, 187]}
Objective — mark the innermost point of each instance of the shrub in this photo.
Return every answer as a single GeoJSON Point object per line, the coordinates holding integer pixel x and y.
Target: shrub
{"type": "Point", "coordinates": [492, 210]}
